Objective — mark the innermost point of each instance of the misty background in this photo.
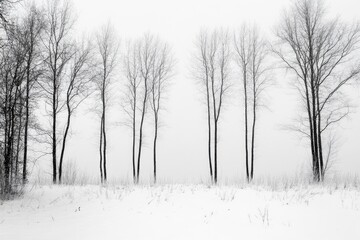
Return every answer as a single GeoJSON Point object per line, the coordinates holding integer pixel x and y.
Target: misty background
{"type": "Point", "coordinates": [182, 146]}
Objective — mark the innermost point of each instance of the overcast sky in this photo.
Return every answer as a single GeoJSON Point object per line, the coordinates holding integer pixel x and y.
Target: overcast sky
{"type": "Point", "coordinates": [182, 147]}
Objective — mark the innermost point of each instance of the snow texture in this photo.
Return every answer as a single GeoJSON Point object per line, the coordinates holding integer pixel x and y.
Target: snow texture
{"type": "Point", "coordinates": [181, 212]}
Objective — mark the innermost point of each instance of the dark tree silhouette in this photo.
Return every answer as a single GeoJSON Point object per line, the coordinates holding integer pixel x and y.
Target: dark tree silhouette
{"type": "Point", "coordinates": [78, 88]}
{"type": "Point", "coordinates": [12, 72]}
{"type": "Point", "coordinates": [146, 54]}
{"type": "Point", "coordinates": [132, 91]}
{"type": "Point", "coordinates": [160, 76]}
{"type": "Point", "coordinates": [322, 53]}
{"type": "Point", "coordinates": [58, 52]}
{"type": "Point", "coordinates": [33, 29]}
{"type": "Point", "coordinates": [250, 52]}
{"type": "Point", "coordinates": [213, 68]}
{"type": "Point", "coordinates": [107, 47]}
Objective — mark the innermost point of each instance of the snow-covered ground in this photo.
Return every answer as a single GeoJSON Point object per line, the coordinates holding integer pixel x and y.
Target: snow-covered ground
{"type": "Point", "coordinates": [181, 212]}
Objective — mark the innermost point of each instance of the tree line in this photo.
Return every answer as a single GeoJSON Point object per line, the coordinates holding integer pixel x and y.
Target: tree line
{"type": "Point", "coordinates": [43, 64]}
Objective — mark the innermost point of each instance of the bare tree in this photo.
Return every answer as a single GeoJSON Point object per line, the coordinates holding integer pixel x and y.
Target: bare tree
{"type": "Point", "coordinates": [148, 66]}
{"type": "Point", "coordinates": [243, 54]}
{"type": "Point", "coordinates": [19, 73]}
{"type": "Point", "coordinates": [213, 55]}
{"type": "Point", "coordinates": [58, 52]}
{"type": "Point", "coordinates": [203, 73]}
{"type": "Point", "coordinates": [12, 71]}
{"type": "Point", "coordinates": [146, 56]}
{"type": "Point", "coordinates": [107, 46]}
{"type": "Point", "coordinates": [78, 88]}
{"type": "Point", "coordinates": [322, 53]}
{"type": "Point", "coordinates": [250, 49]}
{"type": "Point", "coordinates": [33, 28]}
{"type": "Point", "coordinates": [161, 73]}
{"type": "Point", "coordinates": [130, 103]}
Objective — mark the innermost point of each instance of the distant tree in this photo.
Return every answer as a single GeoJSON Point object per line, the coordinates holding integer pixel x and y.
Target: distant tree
{"type": "Point", "coordinates": [160, 76]}
{"type": "Point", "coordinates": [322, 53]}
{"type": "Point", "coordinates": [58, 52]}
{"type": "Point", "coordinates": [213, 69]}
{"type": "Point", "coordinates": [146, 52]}
{"type": "Point", "coordinates": [250, 54]}
{"type": "Point", "coordinates": [107, 48]}
{"type": "Point", "coordinates": [132, 92]}
{"type": "Point", "coordinates": [32, 32]}
{"type": "Point", "coordinates": [147, 66]}
{"type": "Point", "coordinates": [78, 88]}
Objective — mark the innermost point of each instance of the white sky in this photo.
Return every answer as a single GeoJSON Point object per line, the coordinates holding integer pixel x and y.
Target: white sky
{"type": "Point", "coordinates": [182, 148]}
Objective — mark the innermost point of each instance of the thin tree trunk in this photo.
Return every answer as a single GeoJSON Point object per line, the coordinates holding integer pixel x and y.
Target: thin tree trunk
{"type": "Point", "coordinates": [27, 109]}
{"type": "Point", "coordinates": [64, 139]}
{"type": "Point", "coordinates": [155, 142]}
{"type": "Point", "coordinates": [321, 163]}
{"type": "Point", "coordinates": [6, 141]}
{"type": "Point", "coordinates": [141, 131]}
{"type": "Point", "coordinates": [246, 127]}
{"type": "Point", "coordinates": [253, 136]}
{"type": "Point", "coordinates": [310, 117]}
{"type": "Point", "coordinates": [140, 143]}
{"type": "Point", "coordinates": [7, 160]}
{"type": "Point", "coordinates": [18, 139]}
{"type": "Point", "coordinates": [9, 165]}
{"type": "Point", "coordinates": [103, 125]}
{"type": "Point", "coordinates": [104, 149]}
{"type": "Point", "coordinates": [54, 129]}
{"type": "Point", "coordinates": [100, 151]}
{"type": "Point", "coordinates": [134, 136]}
{"type": "Point", "coordinates": [26, 124]}
{"type": "Point", "coordinates": [313, 98]}
{"type": "Point", "coordinates": [209, 128]}
{"type": "Point", "coordinates": [215, 129]}
{"type": "Point", "coordinates": [315, 134]}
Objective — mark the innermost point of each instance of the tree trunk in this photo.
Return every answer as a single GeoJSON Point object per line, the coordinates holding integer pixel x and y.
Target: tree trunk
{"type": "Point", "coordinates": [253, 135]}
{"type": "Point", "coordinates": [246, 127]}
{"type": "Point", "coordinates": [155, 142]}
{"type": "Point", "coordinates": [26, 125]}
{"type": "Point", "coordinates": [215, 127]}
{"type": "Point", "coordinates": [209, 128]}
{"type": "Point", "coordinates": [141, 131]}
{"type": "Point", "coordinates": [27, 111]}
{"type": "Point", "coordinates": [101, 153]}
{"type": "Point", "coordinates": [64, 139]}
{"type": "Point", "coordinates": [54, 109]}
{"type": "Point", "coordinates": [321, 163]}
{"type": "Point", "coordinates": [134, 136]}
{"type": "Point", "coordinates": [140, 144]}
{"type": "Point", "coordinates": [18, 139]}
{"type": "Point", "coordinates": [104, 147]}
{"type": "Point", "coordinates": [103, 125]}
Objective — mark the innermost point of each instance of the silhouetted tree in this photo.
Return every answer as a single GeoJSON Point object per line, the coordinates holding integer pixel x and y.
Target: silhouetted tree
{"type": "Point", "coordinates": [213, 55]}
{"type": "Point", "coordinates": [78, 88]}
{"type": "Point", "coordinates": [132, 91]}
{"type": "Point", "coordinates": [250, 49]}
{"type": "Point", "coordinates": [32, 30]}
{"type": "Point", "coordinates": [146, 51]}
{"type": "Point", "coordinates": [58, 52]}
{"type": "Point", "coordinates": [107, 47]}
{"type": "Point", "coordinates": [160, 76]}
{"type": "Point", "coordinates": [322, 52]}
{"type": "Point", "coordinates": [12, 72]}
